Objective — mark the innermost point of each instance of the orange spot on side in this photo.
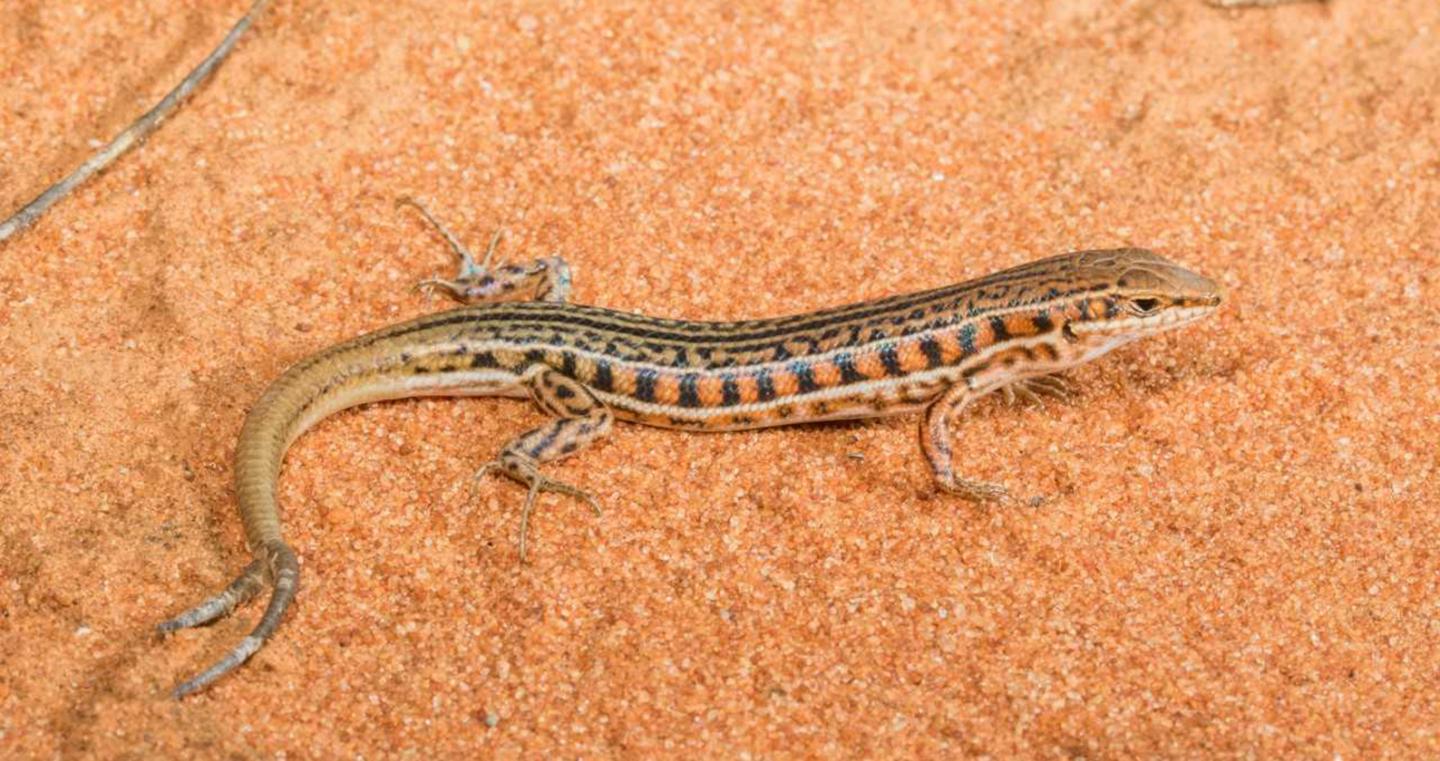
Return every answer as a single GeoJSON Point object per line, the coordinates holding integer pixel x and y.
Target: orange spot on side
{"type": "Point", "coordinates": [710, 391]}
{"type": "Point", "coordinates": [785, 383]}
{"type": "Point", "coordinates": [984, 336]}
{"type": "Point", "coordinates": [869, 365]}
{"type": "Point", "coordinates": [826, 374]}
{"type": "Point", "coordinates": [950, 349]}
{"type": "Point", "coordinates": [1019, 325]}
{"type": "Point", "coordinates": [749, 390]}
{"type": "Point", "coordinates": [912, 360]}
{"type": "Point", "coordinates": [667, 389]}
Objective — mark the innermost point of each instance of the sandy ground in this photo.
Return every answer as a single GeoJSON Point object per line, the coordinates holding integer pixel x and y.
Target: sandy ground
{"type": "Point", "coordinates": [1237, 544]}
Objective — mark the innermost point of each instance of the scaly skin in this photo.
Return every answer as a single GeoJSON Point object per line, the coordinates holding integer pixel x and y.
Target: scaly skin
{"type": "Point", "coordinates": [933, 352]}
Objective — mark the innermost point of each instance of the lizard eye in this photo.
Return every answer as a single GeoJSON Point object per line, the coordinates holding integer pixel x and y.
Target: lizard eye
{"type": "Point", "coordinates": [1145, 306]}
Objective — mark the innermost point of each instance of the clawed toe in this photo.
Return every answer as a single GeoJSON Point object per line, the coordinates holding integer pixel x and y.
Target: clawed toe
{"type": "Point", "coordinates": [1053, 385]}
{"type": "Point", "coordinates": [560, 487]}
{"type": "Point", "coordinates": [537, 483]}
{"type": "Point", "coordinates": [1034, 390]}
{"type": "Point", "coordinates": [454, 289]}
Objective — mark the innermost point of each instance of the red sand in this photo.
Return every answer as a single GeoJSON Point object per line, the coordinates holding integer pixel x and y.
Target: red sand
{"type": "Point", "coordinates": [1238, 542]}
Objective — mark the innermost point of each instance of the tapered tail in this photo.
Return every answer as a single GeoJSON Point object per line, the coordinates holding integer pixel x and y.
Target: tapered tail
{"type": "Point", "coordinates": [282, 568]}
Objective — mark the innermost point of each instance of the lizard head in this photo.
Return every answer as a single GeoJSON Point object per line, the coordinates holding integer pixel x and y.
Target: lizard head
{"type": "Point", "coordinates": [1141, 292]}
{"type": "Point", "coordinates": [1116, 296]}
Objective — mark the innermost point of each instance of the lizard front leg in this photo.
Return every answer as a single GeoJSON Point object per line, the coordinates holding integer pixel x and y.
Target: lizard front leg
{"type": "Point", "coordinates": [544, 279]}
{"type": "Point", "coordinates": [935, 443]}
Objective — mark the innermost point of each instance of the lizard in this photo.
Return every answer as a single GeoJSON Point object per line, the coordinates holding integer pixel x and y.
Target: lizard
{"type": "Point", "coordinates": [517, 335]}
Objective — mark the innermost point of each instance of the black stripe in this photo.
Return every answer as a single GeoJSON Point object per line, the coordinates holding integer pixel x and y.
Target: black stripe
{"type": "Point", "coordinates": [729, 391]}
{"type": "Point", "coordinates": [931, 347]}
{"type": "Point", "coordinates": [567, 364]}
{"type": "Point", "coordinates": [654, 328]}
{"type": "Point", "coordinates": [544, 443]}
{"type": "Point", "coordinates": [505, 325]}
{"type": "Point", "coordinates": [848, 373]}
{"type": "Point", "coordinates": [645, 384]}
{"type": "Point", "coordinates": [804, 378]}
{"type": "Point", "coordinates": [603, 380]}
{"type": "Point", "coordinates": [891, 359]}
{"type": "Point", "coordinates": [765, 386]}
{"type": "Point", "coordinates": [1043, 323]}
{"type": "Point", "coordinates": [689, 394]}
{"type": "Point", "coordinates": [967, 339]}
{"type": "Point", "coordinates": [997, 327]}
{"type": "Point", "coordinates": [483, 360]}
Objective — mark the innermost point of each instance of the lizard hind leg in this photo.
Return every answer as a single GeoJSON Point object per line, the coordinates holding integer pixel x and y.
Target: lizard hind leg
{"type": "Point", "coordinates": [544, 279]}
{"type": "Point", "coordinates": [274, 560]}
{"type": "Point", "coordinates": [580, 419]}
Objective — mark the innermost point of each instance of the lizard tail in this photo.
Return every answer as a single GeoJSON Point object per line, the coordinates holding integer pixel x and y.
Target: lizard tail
{"type": "Point", "coordinates": [277, 562]}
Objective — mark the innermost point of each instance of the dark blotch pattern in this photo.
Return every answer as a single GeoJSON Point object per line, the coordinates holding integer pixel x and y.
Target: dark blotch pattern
{"type": "Point", "coordinates": [645, 385]}
{"type": "Point", "coordinates": [764, 386]}
{"type": "Point", "coordinates": [604, 380]}
{"type": "Point", "coordinates": [931, 349]}
{"type": "Point", "coordinates": [967, 339]}
{"type": "Point", "coordinates": [689, 391]}
{"type": "Point", "coordinates": [804, 378]}
{"type": "Point", "coordinates": [891, 359]}
{"type": "Point", "coordinates": [729, 391]}
{"type": "Point", "coordinates": [848, 373]}
{"type": "Point", "coordinates": [998, 329]}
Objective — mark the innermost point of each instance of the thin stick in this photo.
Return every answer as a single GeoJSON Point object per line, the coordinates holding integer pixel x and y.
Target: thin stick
{"type": "Point", "coordinates": [136, 132]}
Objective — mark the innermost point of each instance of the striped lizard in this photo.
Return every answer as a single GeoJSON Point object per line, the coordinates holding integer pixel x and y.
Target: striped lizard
{"type": "Point", "coordinates": [932, 352]}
